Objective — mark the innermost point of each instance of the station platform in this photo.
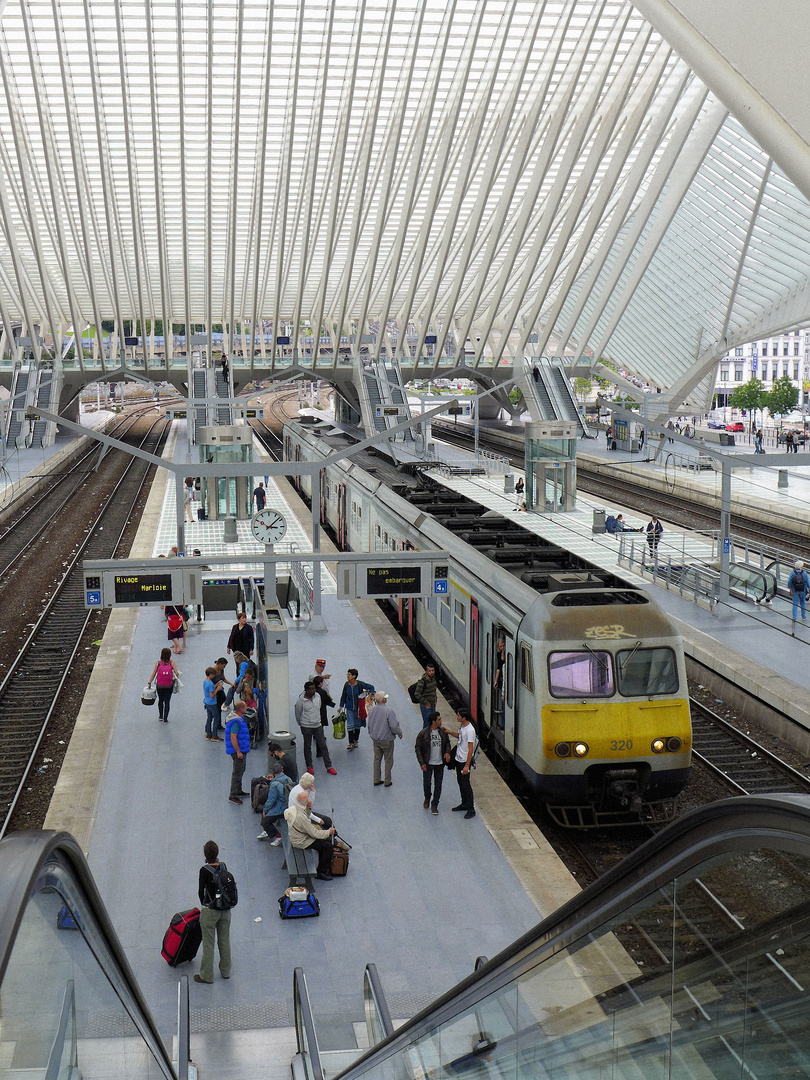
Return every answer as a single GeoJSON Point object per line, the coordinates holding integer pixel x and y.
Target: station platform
{"type": "Point", "coordinates": [424, 895]}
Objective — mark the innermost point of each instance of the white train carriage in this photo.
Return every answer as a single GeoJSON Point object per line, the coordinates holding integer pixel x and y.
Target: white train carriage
{"type": "Point", "coordinates": [576, 678]}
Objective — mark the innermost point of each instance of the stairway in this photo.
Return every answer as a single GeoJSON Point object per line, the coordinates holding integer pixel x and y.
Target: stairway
{"type": "Point", "coordinates": [199, 386]}
{"type": "Point", "coordinates": [548, 393]}
{"type": "Point", "coordinates": [44, 431]}
{"type": "Point", "coordinates": [17, 425]}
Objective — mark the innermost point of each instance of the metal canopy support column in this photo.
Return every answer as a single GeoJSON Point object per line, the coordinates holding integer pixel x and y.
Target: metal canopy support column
{"type": "Point", "coordinates": [725, 528]}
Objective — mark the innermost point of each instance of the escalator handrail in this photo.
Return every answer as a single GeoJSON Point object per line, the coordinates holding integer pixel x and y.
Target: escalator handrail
{"type": "Point", "coordinates": [380, 1004]}
{"type": "Point", "coordinates": [67, 1014]}
{"type": "Point", "coordinates": [731, 826]}
{"type": "Point", "coordinates": [303, 1012]}
{"type": "Point", "coordinates": [183, 1029]}
{"type": "Point", "coordinates": [32, 857]}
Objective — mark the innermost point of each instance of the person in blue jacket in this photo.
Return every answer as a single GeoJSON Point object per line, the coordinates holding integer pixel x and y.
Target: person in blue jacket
{"type": "Point", "coordinates": [350, 701]}
{"type": "Point", "coordinates": [237, 746]}
{"type": "Point", "coordinates": [799, 585]}
{"type": "Point", "coordinates": [276, 803]}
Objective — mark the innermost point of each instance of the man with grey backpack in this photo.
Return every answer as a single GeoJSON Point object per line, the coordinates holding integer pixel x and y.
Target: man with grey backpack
{"type": "Point", "coordinates": [218, 894]}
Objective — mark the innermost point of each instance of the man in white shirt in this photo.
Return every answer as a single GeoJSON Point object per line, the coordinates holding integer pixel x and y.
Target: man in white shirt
{"type": "Point", "coordinates": [467, 741]}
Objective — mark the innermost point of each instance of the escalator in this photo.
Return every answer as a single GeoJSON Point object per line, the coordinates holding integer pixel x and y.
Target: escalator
{"type": "Point", "coordinates": [689, 959]}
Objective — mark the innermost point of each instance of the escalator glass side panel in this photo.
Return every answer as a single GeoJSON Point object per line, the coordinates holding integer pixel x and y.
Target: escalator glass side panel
{"type": "Point", "coordinates": [702, 971]}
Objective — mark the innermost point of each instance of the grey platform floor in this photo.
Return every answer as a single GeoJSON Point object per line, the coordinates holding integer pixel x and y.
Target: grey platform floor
{"type": "Point", "coordinates": [424, 896]}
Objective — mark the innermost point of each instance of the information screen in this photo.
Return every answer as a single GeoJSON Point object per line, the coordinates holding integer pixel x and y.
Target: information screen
{"type": "Point", "coordinates": [143, 588]}
{"type": "Point", "coordinates": [384, 580]}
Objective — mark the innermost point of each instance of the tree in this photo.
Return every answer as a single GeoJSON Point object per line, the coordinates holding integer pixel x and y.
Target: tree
{"type": "Point", "coordinates": [751, 395]}
{"type": "Point", "coordinates": [783, 397]}
{"type": "Point", "coordinates": [582, 387]}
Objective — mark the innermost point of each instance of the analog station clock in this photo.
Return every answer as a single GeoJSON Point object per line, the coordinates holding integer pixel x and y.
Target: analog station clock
{"type": "Point", "coordinates": [268, 526]}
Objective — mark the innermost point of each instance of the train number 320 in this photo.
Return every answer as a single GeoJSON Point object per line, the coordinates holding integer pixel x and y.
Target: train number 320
{"type": "Point", "coordinates": [621, 744]}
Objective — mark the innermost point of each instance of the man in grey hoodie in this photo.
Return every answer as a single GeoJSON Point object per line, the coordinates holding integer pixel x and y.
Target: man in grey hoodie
{"type": "Point", "coordinates": [383, 728]}
{"type": "Point", "coordinates": [308, 718]}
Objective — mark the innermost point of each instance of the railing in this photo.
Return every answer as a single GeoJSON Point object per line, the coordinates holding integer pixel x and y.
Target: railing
{"type": "Point", "coordinates": [308, 1049]}
{"type": "Point", "coordinates": [493, 463]}
{"type": "Point", "coordinates": [301, 574]}
{"type": "Point", "coordinates": [378, 1018]}
{"type": "Point", "coordinates": [183, 1030]}
{"type": "Point", "coordinates": [44, 874]}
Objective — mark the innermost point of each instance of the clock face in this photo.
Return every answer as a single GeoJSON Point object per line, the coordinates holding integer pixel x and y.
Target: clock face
{"type": "Point", "coordinates": [268, 526]}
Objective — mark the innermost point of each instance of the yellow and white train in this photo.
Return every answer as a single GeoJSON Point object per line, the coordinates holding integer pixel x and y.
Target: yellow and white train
{"type": "Point", "coordinates": [574, 677]}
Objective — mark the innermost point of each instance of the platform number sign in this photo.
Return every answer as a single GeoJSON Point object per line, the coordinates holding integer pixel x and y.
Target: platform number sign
{"type": "Point", "coordinates": [92, 588]}
{"type": "Point", "coordinates": [440, 575]}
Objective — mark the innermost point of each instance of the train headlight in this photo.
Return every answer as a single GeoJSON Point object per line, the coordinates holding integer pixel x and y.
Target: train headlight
{"type": "Point", "coordinates": [671, 745]}
{"type": "Point", "coordinates": [659, 746]}
{"type": "Point", "coordinates": [674, 744]}
{"type": "Point", "coordinates": [563, 749]}
{"type": "Point", "coordinates": [580, 749]}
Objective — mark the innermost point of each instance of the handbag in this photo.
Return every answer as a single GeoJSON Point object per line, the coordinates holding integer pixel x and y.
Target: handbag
{"type": "Point", "coordinates": [148, 695]}
{"type": "Point", "coordinates": [361, 709]}
{"type": "Point", "coordinates": [339, 725]}
{"type": "Point", "coordinates": [177, 686]}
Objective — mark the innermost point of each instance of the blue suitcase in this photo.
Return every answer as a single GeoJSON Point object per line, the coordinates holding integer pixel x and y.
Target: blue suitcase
{"type": "Point", "coordinates": [299, 909]}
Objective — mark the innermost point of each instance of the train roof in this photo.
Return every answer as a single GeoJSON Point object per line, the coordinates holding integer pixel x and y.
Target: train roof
{"type": "Point", "coordinates": [535, 568]}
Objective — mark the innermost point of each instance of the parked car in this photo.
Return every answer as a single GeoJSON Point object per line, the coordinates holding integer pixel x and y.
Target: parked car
{"type": "Point", "coordinates": [799, 437]}
{"type": "Point", "coordinates": [738, 425]}
{"type": "Point", "coordinates": [717, 424]}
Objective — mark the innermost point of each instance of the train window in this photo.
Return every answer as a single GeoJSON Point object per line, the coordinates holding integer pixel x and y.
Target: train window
{"type": "Point", "coordinates": [526, 673]}
{"type": "Point", "coordinates": [487, 660]}
{"type": "Point", "coordinates": [509, 680]}
{"type": "Point", "coordinates": [444, 614]}
{"type": "Point", "coordinates": [459, 623]}
{"type": "Point", "coordinates": [431, 605]}
{"type": "Point", "coordinates": [580, 674]}
{"type": "Point", "coordinates": [645, 672]}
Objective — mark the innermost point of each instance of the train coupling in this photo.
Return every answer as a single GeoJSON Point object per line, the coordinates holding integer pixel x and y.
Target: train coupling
{"type": "Point", "coordinates": [623, 787]}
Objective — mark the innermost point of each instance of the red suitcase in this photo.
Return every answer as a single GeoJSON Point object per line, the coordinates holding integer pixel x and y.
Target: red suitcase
{"type": "Point", "coordinates": [183, 938]}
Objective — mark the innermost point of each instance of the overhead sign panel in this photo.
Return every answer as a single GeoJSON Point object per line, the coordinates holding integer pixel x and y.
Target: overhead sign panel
{"type": "Point", "coordinates": [132, 583]}
{"type": "Point", "coordinates": [381, 580]}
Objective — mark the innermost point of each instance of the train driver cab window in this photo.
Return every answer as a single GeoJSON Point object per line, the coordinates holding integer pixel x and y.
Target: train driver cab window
{"type": "Point", "coordinates": [580, 674]}
{"type": "Point", "coordinates": [646, 672]}
{"type": "Point", "coordinates": [526, 673]}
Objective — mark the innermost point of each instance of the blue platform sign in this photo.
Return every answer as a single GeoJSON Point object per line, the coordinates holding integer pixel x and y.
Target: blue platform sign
{"type": "Point", "coordinates": [93, 598]}
{"type": "Point", "coordinates": [726, 546]}
{"type": "Point", "coordinates": [440, 586]}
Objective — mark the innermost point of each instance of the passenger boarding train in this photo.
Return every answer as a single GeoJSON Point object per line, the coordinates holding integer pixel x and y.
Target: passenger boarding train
{"type": "Point", "coordinates": [574, 677]}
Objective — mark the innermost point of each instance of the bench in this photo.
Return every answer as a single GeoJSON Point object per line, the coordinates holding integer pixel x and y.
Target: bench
{"type": "Point", "coordinates": [299, 862]}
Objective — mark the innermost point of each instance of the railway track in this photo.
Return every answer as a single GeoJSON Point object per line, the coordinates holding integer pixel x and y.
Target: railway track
{"type": "Point", "coordinates": [30, 690]}
{"type": "Point", "coordinates": [742, 764]}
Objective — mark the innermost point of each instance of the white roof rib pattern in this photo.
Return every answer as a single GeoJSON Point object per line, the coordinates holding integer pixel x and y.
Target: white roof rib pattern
{"type": "Point", "coordinates": [485, 171]}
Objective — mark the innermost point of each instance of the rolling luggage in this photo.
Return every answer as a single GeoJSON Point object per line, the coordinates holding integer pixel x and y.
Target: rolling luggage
{"type": "Point", "coordinates": [183, 938]}
{"type": "Point", "coordinates": [302, 904]}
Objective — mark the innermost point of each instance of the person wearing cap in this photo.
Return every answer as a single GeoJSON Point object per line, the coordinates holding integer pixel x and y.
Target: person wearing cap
{"type": "Point", "coordinates": [286, 760]}
{"type": "Point", "coordinates": [799, 585]}
{"type": "Point", "coordinates": [276, 803]}
{"type": "Point", "coordinates": [320, 672]}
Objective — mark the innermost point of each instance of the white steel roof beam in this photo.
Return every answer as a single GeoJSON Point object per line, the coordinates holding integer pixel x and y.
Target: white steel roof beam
{"type": "Point", "coordinates": [675, 170]}
{"type": "Point", "coordinates": [157, 170]}
{"type": "Point", "coordinates": [184, 208]}
{"type": "Point", "coordinates": [230, 312]}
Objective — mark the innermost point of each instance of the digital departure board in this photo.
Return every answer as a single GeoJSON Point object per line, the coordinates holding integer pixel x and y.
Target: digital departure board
{"type": "Point", "coordinates": [385, 580]}
{"type": "Point", "coordinates": [143, 588]}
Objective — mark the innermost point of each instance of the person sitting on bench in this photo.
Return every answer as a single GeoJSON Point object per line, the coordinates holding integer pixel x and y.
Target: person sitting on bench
{"type": "Point", "coordinates": [304, 833]}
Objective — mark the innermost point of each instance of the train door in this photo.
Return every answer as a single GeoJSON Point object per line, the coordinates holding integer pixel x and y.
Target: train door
{"type": "Point", "coordinates": [474, 657]}
{"type": "Point", "coordinates": [297, 478]}
{"type": "Point", "coordinates": [503, 686]}
{"type": "Point", "coordinates": [406, 604]}
{"type": "Point", "coordinates": [324, 492]}
{"type": "Point", "coordinates": [341, 516]}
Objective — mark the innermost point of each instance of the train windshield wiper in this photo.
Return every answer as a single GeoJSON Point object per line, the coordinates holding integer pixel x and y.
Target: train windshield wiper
{"type": "Point", "coordinates": [623, 663]}
{"type": "Point", "coordinates": [602, 663]}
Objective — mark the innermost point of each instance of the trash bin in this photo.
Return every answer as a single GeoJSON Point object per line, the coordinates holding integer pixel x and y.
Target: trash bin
{"type": "Point", "coordinates": [286, 740]}
{"type": "Point", "coordinates": [782, 478]}
{"type": "Point", "coordinates": [598, 521]}
{"type": "Point", "coordinates": [229, 534]}
{"type": "Point", "coordinates": [509, 484]}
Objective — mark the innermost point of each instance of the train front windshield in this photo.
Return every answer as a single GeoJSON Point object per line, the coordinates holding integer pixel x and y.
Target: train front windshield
{"type": "Point", "coordinates": [635, 672]}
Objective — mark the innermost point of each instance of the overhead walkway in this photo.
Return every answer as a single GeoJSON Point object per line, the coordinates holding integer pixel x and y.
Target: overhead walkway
{"type": "Point", "coordinates": [669, 965]}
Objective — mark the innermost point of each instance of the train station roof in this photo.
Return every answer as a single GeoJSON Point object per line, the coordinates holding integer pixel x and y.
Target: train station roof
{"type": "Point", "coordinates": [571, 177]}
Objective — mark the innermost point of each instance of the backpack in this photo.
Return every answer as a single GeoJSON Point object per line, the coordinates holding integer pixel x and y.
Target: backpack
{"type": "Point", "coordinates": [412, 693]}
{"type": "Point", "coordinates": [253, 671]}
{"type": "Point", "coordinates": [222, 893]}
{"type": "Point", "coordinates": [610, 524]}
{"type": "Point", "coordinates": [165, 675]}
{"type": "Point", "coordinates": [174, 623]}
